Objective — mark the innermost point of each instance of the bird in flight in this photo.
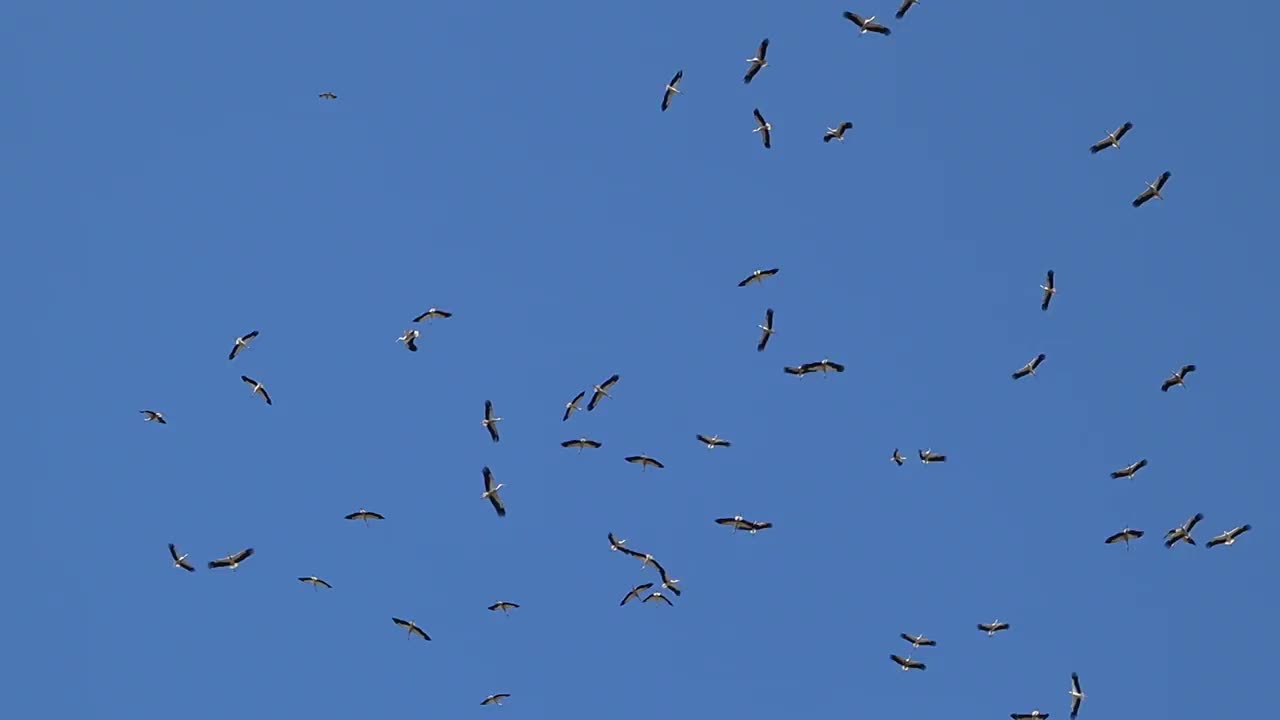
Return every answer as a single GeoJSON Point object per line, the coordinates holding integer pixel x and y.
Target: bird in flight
{"type": "Point", "coordinates": [1112, 139]}
{"type": "Point", "coordinates": [581, 443]}
{"type": "Point", "coordinates": [328, 96]}
{"type": "Point", "coordinates": [1049, 290]}
{"type": "Point", "coordinates": [907, 663]}
{"type": "Point", "coordinates": [658, 596]}
{"type": "Point", "coordinates": [601, 391]}
{"type": "Point", "coordinates": [180, 561]}
{"type": "Point", "coordinates": [572, 406]}
{"type": "Point", "coordinates": [898, 457]}
{"type": "Point", "coordinates": [758, 62]}
{"type": "Point", "coordinates": [1077, 695]}
{"type": "Point", "coordinates": [232, 561]}
{"type": "Point", "coordinates": [764, 128]}
{"type": "Point", "coordinates": [1153, 190]}
{"type": "Point", "coordinates": [412, 627]}
{"type": "Point", "coordinates": [837, 133]}
{"type": "Point", "coordinates": [503, 606]}
{"type": "Point", "coordinates": [867, 25]}
{"type": "Point", "coordinates": [634, 593]}
{"type": "Point", "coordinates": [1182, 533]}
{"type": "Point", "coordinates": [495, 699]}
{"type": "Point", "coordinates": [1129, 470]}
{"type": "Point", "coordinates": [1228, 538]}
{"type": "Point", "coordinates": [315, 582]}
{"type": "Point", "coordinates": [364, 516]}
{"type": "Point", "coordinates": [242, 343]}
{"type": "Point", "coordinates": [153, 416]}
{"type": "Point", "coordinates": [491, 492]}
{"type": "Point", "coordinates": [929, 456]}
{"type": "Point", "coordinates": [1029, 368]}
{"type": "Point", "coordinates": [1125, 536]}
{"type": "Point", "coordinates": [904, 7]}
{"type": "Point", "coordinates": [433, 313]}
{"type": "Point", "coordinates": [490, 422]}
{"type": "Point", "coordinates": [410, 339]}
{"type": "Point", "coordinates": [766, 330]}
{"type": "Point", "coordinates": [992, 628]}
{"type": "Point", "coordinates": [258, 388]}
{"type": "Point", "coordinates": [713, 441]}
{"type": "Point", "coordinates": [757, 276]}
{"type": "Point", "coordinates": [1178, 378]}
{"type": "Point", "coordinates": [673, 89]}
{"type": "Point", "coordinates": [644, 461]}
{"type": "Point", "coordinates": [918, 640]}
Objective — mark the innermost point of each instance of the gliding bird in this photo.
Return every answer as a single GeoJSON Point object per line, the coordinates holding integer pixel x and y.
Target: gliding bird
{"type": "Point", "coordinates": [758, 62]}
{"type": "Point", "coordinates": [242, 343]}
{"type": "Point", "coordinates": [837, 133]}
{"type": "Point", "coordinates": [490, 422]}
{"type": "Point", "coordinates": [867, 25]}
{"type": "Point", "coordinates": [1183, 532]}
{"type": "Point", "coordinates": [1112, 139]}
{"type": "Point", "coordinates": [907, 663]}
{"type": "Point", "coordinates": [766, 330]}
{"type": "Point", "coordinates": [764, 128]}
{"type": "Point", "coordinates": [1178, 378]}
{"type": "Point", "coordinates": [1228, 538]}
{"type": "Point", "coordinates": [1029, 368]}
{"type": "Point", "coordinates": [673, 89]}
{"type": "Point", "coordinates": [258, 388]}
{"type": "Point", "coordinates": [1049, 290]}
{"type": "Point", "coordinates": [601, 391]}
{"type": "Point", "coordinates": [1153, 190]}
{"type": "Point", "coordinates": [491, 492]}
{"type": "Point", "coordinates": [413, 628]}
{"type": "Point", "coordinates": [180, 560]}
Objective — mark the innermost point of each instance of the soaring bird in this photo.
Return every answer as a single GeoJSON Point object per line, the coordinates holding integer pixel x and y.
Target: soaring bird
{"type": "Point", "coordinates": [410, 339]}
{"type": "Point", "coordinates": [797, 370]}
{"type": "Point", "coordinates": [1178, 378]}
{"type": "Point", "coordinates": [572, 406]}
{"type": "Point", "coordinates": [673, 89]}
{"type": "Point", "coordinates": [898, 457]}
{"type": "Point", "coordinates": [180, 561]}
{"type": "Point", "coordinates": [153, 416]}
{"type": "Point", "coordinates": [644, 461]}
{"type": "Point", "coordinates": [503, 607]}
{"type": "Point", "coordinates": [1125, 536]}
{"type": "Point", "coordinates": [658, 596]}
{"type": "Point", "coordinates": [929, 456]}
{"type": "Point", "coordinates": [713, 441]}
{"type": "Point", "coordinates": [758, 62]}
{"type": "Point", "coordinates": [1129, 470]}
{"type": "Point", "coordinates": [1228, 538]}
{"type": "Point", "coordinates": [1112, 139]}
{"type": "Point", "coordinates": [1077, 695]}
{"type": "Point", "coordinates": [1033, 715]}
{"type": "Point", "coordinates": [823, 366]}
{"type": "Point", "coordinates": [364, 516]}
{"type": "Point", "coordinates": [837, 133]}
{"type": "Point", "coordinates": [1183, 532]}
{"type": "Point", "coordinates": [580, 443]}
{"type": "Point", "coordinates": [433, 313]}
{"type": "Point", "coordinates": [904, 7]}
{"type": "Point", "coordinates": [764, 128]}
{"type": "Point", "coordinates": [232, 561]}
{"type": "Point", "coordinates": [758, 276]}
{"type": "Point", "coordinates": [615, 544]}
{"type": "Point", "coordinates": [668, 582]}
{"type": "Point", "coordinates": [258, 388]}
{"type": "Point", "coordinates": [1049, 290]}
{"type": "Point", "coordinates": [601, 391]}
{"type": "Point", "coordinates": [992, 628]}
{"type": "Point", "coordinates": [867, 25]}
{"type": "Point", "coordinates": [634, 593]}
{"type": "Point", "coordinates": [490, 422]}
{"type": "Point", "coordinates": [737, 522]}
{"type": "Point", "coordinates": [315, 582]}
{"type": "Point", "coordinates": [491, 492]}
{"type": "Point", "coordinates": [413, 628]}
{"type": "Point", "coordinates": [766, 330]}
{"type": "Point", "coordinates": [495, 699]}
{"type": "Point", "coordinates": [242, 342]}
{"type": "Point", "coordinates": [918, 640]}
{"type": "Point", "coordinates": [907, 663]}
{"type": "Point", "coordinates": [1153, 189]}
{"type": "Point", "coordinates": [328, 96]}
{"type": "Point", "coordinates": [1029, 368]}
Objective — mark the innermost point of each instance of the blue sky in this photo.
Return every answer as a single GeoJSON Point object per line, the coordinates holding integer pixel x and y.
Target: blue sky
{"type": "Point", "coordinates": [175, 182]}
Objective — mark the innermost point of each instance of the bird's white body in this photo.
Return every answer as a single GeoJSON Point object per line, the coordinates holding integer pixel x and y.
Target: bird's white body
{"type": "Point", "coordinates": [489, 493]}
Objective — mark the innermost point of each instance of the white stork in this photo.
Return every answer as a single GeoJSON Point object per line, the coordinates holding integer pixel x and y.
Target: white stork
{"type": "Point", "coordinates": [495, 699]}
{"type": "Point", "coordinates": [1153, 189]}
{"type": "Point", "coordinates": [315, 582]}
{"type": "Point", "coordinates": [644, 461]}
{"type": "Point", "coordinates": [1112, 139]}
{"type": "Point", "coordinates": [866, 25]}
{"type": "Point", "coordinates": [491, 492]}
{"type": "Point", "coordinates": [758, 276]}
{"type": "Point", "coordinates": [1182, 533]}
{"type": "Point", "coordinates": [1049, 290]}
{"type": "Point", "coordinates": [837, 132]}
{"type": "Point", "coordinates": [433, 313]}
{"type": "Point", "coordinates": [897, 457]}
{"type": "Point", "coordinates": [658, 596]}
{"type": "Point", "coordinates": [673, 89]}
{"type": "Point", "coordinates": [1129, 470]}
{"type": "Point", "coordinates": [180, 561]}
{"type": "Point", "coordinates": [410, 339]}
{"type": "Point", "coordinates": [232, 561]}
{"type": "Point", "coordinates": [824, 366]}
{"type": "Point", "coordinates": [766, 330]}
{"type": "Point", "coordinates": [364, 515]}
{"type": "Point", "coordinates": [601, 391]}
{"type": "Point", "coordinates": [242, 343]}
{"type": "Point", "coordinates": [1177, 378]}
{"type": "Point", "coordinates": [153, 416]}
{"type": "Point", "coordinates": [634, 593]}
{"type": "Point", "coordinates": [758, 62]}
{"type": "Point", "coordinates": [764, 128]}
{"type": "Point", "coordinates": [713, 442]}
{"type": "Point", "coordinates": [572, 406]}
{"type": "Point", "coordinates": [992, 628]}
{"type": "Point", "coordinates": [1077, 695]}
{"type": "Point", "coordinates": [581, 443]}
{"type": "Point", "coordinates": [258, 388]}
{"type": "Point", "coordinates": [1033, 715]}
{"type": "Point", "coordinates": [412, 627]}
{"type": "Point", "coordinates": [1125, 536]}
{"type": "Point", "coordinates": [490, 422]}
{"type": "Point", "coordinates": [737, 522]}
{"type": "Point", "coordinates": [328, 96]}
{"type": "Point", "coordinates": [918, 640]}
{"type": "Point", "coordinates": [1228, 538]}
{"type": "Point", "coordinates": [929, 456]}
{"type": "Point", "coordinates": [904, 7]}
{"type": "Point", "coordinates": [1029, 368]}
{"type": "Point", "coordinates": [503, 607]}
{"type": "Point", "coordinates": [906, 663]}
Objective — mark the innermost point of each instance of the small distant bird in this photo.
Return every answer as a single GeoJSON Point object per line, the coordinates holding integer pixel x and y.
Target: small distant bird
{"type": "Point", "coordinates": [1125, 536]}
{"type": "Point", "coordinates": [766, 330]}
{"type": "Point", "coordinates": [490, 422]}
{"type": "Point", "coordinates": [242, 342]}
{"type": "Point", "coordinates": [824, 366]}
{"type": "Point", "coordinates": [993, 627]}
{"type": "Point", "coordinates": [837, 133]}
{"type": "Point", "coordinates": [918, 640]}
{"type": "Point", "coordinates": [316, 583]}
{"type": "Point", "coordinates": [364, 515]}
{"type": "Point", "coordinates": [410, 339]}
{"type": "Point", "coordinates": [572, 405]}
{"type": "Point", "coordinates": [904, 7]}
{"type": "Point", "coordinates": [580, 443]}
{"type": "Point", "coordinates": [737, 522]}
{"type": "Point", "coordinates": [668, 582]}
{"type": "Point", "coordinates": [658, 596]}
{"type": "Point", "coordinates": [673, 89]}
{"type": "Point", "coordinates": [758, 62]}
{"type": "Point", "coordinates": [764, 128]}
{"type": "Point", "coordinates": [645, 558]}
{"type": "Point", "coordinates": [1228, 538]}
{"type": "Point", "coordinates": [495, 699]}
{"type": "Point", "coordinates": [615, 544]}
{"type": "Point", "coordinates": [1129, 471]}
{"type": "Point", "coordinates": [328, 96]}
{"type": "Point", "coordinates": [713, 442]}
{"type": "Point", "coordinates": [644, 461]}
{"type": "Point", "coordinates": [1049, 290]}
{"type": "Point", "coordinates": [232, 561]}
{"type": "Point", "coordinates": [898, 457]}
{"type": "Point", "coordinates": [1077, 695]}
{"type": "Point", "coordinates": [491, 492]}
{"type": "Point", "coordinates": [907, 663]}
{"type": "Point", "coordinates": [180, 561]}
{"type": "Point", "coordinates": [1178, 378]}
{"type": "Point", "coordinates": [258, 388]}
{"type": "Point", "coordinates": [867, 25]}
{"type": "Point", "coordinates": [601, 391]}
{"type": "Point", "coordinates": [634, 593]}
{"type": "Point", "coordinates": [758, 276]}
{"type": "Point", "coordinates": [1183, 532]}
{"type": "Point", "coordinates": [503, 606]}
{"type": "Point", "coordinates": [153, 416]}
{"type": "Point", "coordinates": [1153, 189]}
{"type": "Point", "coordinates": [413, 628]}
{"type": "Point", "coordinates": [929, 456]}
{"type": "Point", "coordinates": [433, 313]}
{"type": "Point", "coordinates": [1033, 715]}
{"type": "Point", "coordinates": [1029, 368]}
{"type": "Point", "coordinates": [1112, 139]}
{"type": "Point", "coordinates": [797, 370]}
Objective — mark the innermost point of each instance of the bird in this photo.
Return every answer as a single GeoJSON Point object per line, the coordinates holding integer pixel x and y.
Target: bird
{"type": "Point", "coordinates": [898, 457]}
{"type": "Point", "coordinates": [673, 89]}
{"type": "Point", "coordinates": [634, 593]}
{"type": "Point", "coordinates": [837, 133]}
{"type": "Point", "coordinates": [929, 456]}
{"type": "Point", "coordinates": [867, 25]}
{"type": "Point", "coordinates": [328, 96]}
{"type": "Point", "coordinates": [232, 561]}
{"type": "Point", "coordinates": [412, 626]}
{"type": "Point", "coordinates": [645, 558]}
{"type": "Point", "coordinates": [1112, 139]}
{"type": "Point", "coordinates": [316, 582]}
{"type": "Point", "coordinates": [491, 492]}
{"type": "Point", "coordinates": [1029, 368]}
{"type": "Point", "coordinates": [737, 522]}
{"type": "Point", "coordinates": [495, 699]}
{"type": "Point", "coordinates": [904, 7]}
{"type": "Point", "coordinates": [758, 276]}
{"type": "Point", "coordinates": [764, 128]}
{"type": "Point", "coordinates": [918, 640]}
{"type": "Point", "coordinates": [658, 596]}
{"type": "Point", "coordinates": [1049, 290]}
{"type": "Point", "coordinates": [1033, 715]}
{"type": "Point", "coordinates": [1129, 471]}
{"type": "Point", "coordinates": [257, 388]}
{"type": "Point", "coordinates": [503, 606]}
{"type": "Point", "coordinates": [1183, 532]}
{"type": "Point", "coordinates": [824, 366]}
{"type": "Point", "coordinates": [797, 370]}
{"type": "Point", "coordinates": [580, 443]}
{"type": "Point", "coordinates": [242, 342]}
{"type": "Point", "coordinates": [490, 422]}
{"type": "Point", "coordinates": [1126, 535]}
{"type": "Point", "coordinates": [1153, 189]}
{"type": "Point", "coordinates": [668, 582]}
{"type": "Point", "coordinates": [758, 62]}
{"type": "Point", "coordinates": [615, 544]}
{"type": "Point", "coordinates": [153, 416]}
{"type": "Point", "coordinates": [1077, 695]}
{"type": "Point", "coordinates": [180, 561]}
{"type": "Point", "coordinates": [1228, 538]}
{"type": "Point", "coordinates": [433, 313]}
{"type": "Point", "coordinates": [409, 338]}
{"type": "Point", "coordinates": [907, 663]}
{"type": "Point", "coordinates": [766, 330]}
{"type": "Point", "coordinates": [644, 461]}
{"type": "Point", "coordinates": [713, 442]}
{"type": "Point", "coordinates": [993, 627]}
{"type": "Point", "coordinates": [601, 391]}
{"type": "Point", "coordinates": [1178, 378]}
{"type": "Point", "coordinates": [572, 405]}
{"type": "Point", "coordinates": [364, 515]}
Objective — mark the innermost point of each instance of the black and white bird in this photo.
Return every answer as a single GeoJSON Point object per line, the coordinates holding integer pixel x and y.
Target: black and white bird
{"type": "Point", "coordinates": [1033, 715]}
{"type": "Point", "coordinates": [657, 596]}
{"type": "Point", "coordinates": [1112, 139]}
{"type": "Point", "coordinates": [918, 640]}
{"type": "Point", "coordinates": [412, 627]}
{"type": "Point", "coordinates": [668, 582]}
{"type": "Point", "coordinates": [797, 370]}
{"type": "Point", "coordinates": [673, 89]}
{"type": "Point", "coordinates": [764, 128]}
{"type": "Point", "coordinates": [328, 96]}
{"type": "Point", "coordinates": [231, 561]}
{"type": "Point", "coordinates": [837, 132]}
{"type": "Point", "coordinates": [645, 558]}
{"type": "Point", "coordinates": [1228, 538]}
{"type": "Point", "coordinates": [866, 25]}
{"type": "Point", "coordinates": [491, 492]}
{"type": "Point", "coordinates": [714, 441]}
{"type": "Point", "coordinates": [758, 276]}
{"type": "Point", "coordinates": [433, 313]}
{"type": "Point", "coordinates": [907, 663]}
{"type": "Point", "coordinates": [1153, 189]}
{"type": "Point", "coordinates": [180, 561]}
{"type": "Point", "coordinates": [258, 388]}
{"type": "Point", "coordinates": [1129, 470]}
{"type": "Point", "coordinates": [898, 457]}
{"type": "Point", "coordinates": [1049, 290]}
{"type": "Point", "coordinates": [904, 7]}
{"type": "Point", "coordinates": [615, 544]}
{"type": "Point", "coordinates": [601, 391]}
{"type": "Point", "coordinates": [495, 699]}
{"type": "Point", "coordinates": [573, 406]}
{"type": "Point", "coordinates": [153, 416]}
{"type": "Point", "coordinates": [634, 593]}
{"type": "Point", "coordinates": [1029, 368]}
{"type": "Point", "coordinates": [410, 339]}
{"type": "Point", "coordinates": [644, 461]}
{"type": "Point", "coordinates": [766, 330]}
{"type": "Point", "coordinates": [1182, 533]}
{"type": "Point", "coordinates": [242, 343]}
{"type": "Point", "coordinates": [737, 522]}
{"type": "Point", "coordinates": [825, 365]}
{"type": "Point", "coordinates": [992, 628]}
{"type": "Point", "coordinates": [929, 456]}
{"type": "Point", "coordinates": [1125, 536]}
{"type": "Point", "coordinates": [581, 443]}
{"type": "Point", "coordinates": [758, 62]}
{"type": "Point", "coordinates": [1077, 695]}
{"type": "Point", "coordinates": [503, 607]}
{"type": "Point", "coordinates": [315, 582]}
{"type": "Point", "coordinates": [364, 516]}
{"type": "Point", "coordinates": [1178, 378]}
{"type": "Point", "coordinates": [490, 422]}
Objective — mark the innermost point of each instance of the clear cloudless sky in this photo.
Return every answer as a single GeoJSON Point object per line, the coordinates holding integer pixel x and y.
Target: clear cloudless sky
{"type": "Point", "coordinates": [172, 181]}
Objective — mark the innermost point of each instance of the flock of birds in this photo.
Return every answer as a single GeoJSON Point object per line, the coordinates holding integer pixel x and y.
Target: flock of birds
{"type": "Point", "coordinates": [669, 586]}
